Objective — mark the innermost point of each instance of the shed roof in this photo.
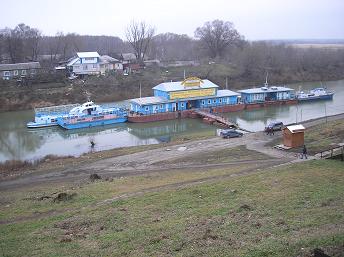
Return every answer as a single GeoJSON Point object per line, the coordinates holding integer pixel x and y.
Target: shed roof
{"type": "Point", "coordinates": [108, 58]}
{"type": "Point", "coordinates": [73, 61]}
{"type": "Point", "coordinates": [149, 100]}
{"type": "Point", "coordinates": [265, 90]}
{"type": "Point", "coordinates": [178, 86]}
{"type": "Point", "coordinates": [20, 66]}
{"type": "Point", "coordinates": [226, 92]}
{"type": "Point", "coordinates": [88, 54]}
{"type": "Point", "coordinates": [295, 128]}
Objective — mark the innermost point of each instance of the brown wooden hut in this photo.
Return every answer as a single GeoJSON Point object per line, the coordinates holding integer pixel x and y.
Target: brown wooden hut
{"type": "Point", "coordinates": [294, 136]}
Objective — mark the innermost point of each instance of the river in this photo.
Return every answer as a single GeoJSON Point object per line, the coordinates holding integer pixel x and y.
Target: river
{"type": "Point", "coordinates": [19, 143]}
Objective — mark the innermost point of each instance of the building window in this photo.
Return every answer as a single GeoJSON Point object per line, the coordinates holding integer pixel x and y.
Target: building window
{"type": "Point", "coordinates": [214, 100]}
{"type": "Point", "coordinates": [161, 106]}
{"type": "Point", "coordinates": [6, 73]}
{"type": "Point", "coordinates": [33, 71]}
{"type": "Point", "coordinates": [15, 73]}
{"type": "Point", "coordinates": [23, 72]}
{"type": "Point", "coordinates": [85, 67]}
{"type": "Point", "coordinates": [182, 105]}
{"type": "Point", "coordinates": [203, 102]}
{"type": "Point", "coordinates": [209, 101]}
{"type": "Point", "coordinates": [147, 108]}
{"type": "Point", "coordinates": [95, 66]}
{"type": "Point", "coordinates": [220, 100]}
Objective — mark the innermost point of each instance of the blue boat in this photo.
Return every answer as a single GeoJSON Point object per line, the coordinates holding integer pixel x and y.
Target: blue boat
{"type": "Point", "coordinates": [91, 115]}
{"type": "Point", "coordinates": [315, 94]}
{"type": "Point", "coordinates": [47, 116]}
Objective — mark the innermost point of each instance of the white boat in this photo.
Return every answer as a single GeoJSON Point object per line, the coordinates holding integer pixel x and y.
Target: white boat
{"type": "Point", "coordinates": [47, 116]}
{"type": "Point", "coordinates": [315, 94]}
{"type": "Point", "coordinates": [91, 115]}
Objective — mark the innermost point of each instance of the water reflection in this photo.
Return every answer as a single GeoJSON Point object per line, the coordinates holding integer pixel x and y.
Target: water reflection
{"type": "Point", "coordinates": [17, 142]}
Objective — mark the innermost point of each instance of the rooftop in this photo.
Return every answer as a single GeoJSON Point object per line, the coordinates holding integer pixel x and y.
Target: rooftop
{"type": "Point", "coordinates": [20, 66]}
{"type": "Point", "coordinates": [178, 86]}
{"type": "Point", "coordinates": [106, 58]}
{"type": "Point", "coordinates": [88, 54]}
{"type": "Point", "coordinates": [149, 100]}
{"type": "Point", "coordinates": [296, 128]}
{"type": "Point", "coordinates": [73, 61]}
{"type": "Point", "coordinates": [226, 92]}
{"type": "Point", "coordinates": [265, 90]}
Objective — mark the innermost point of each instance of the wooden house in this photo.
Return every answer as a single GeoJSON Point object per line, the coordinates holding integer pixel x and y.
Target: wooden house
{"type": "Point", "coordinates": [19, 70]}
{"type": "Point", "coordinates": [293, 136]}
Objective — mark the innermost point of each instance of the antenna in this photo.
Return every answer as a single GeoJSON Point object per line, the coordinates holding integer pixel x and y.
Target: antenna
{"type": "Point", "coordinates": [140, 89]}
{"type": "Point", "coordinates": [266, 79]}
{"type": "Point", "coordinates": [226, 82]}
{"type": "Point", "coordinates": [184, 73]}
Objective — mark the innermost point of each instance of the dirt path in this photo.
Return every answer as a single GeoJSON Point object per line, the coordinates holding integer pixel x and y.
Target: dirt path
{"type": "Point", "coordinates": [150, 161]}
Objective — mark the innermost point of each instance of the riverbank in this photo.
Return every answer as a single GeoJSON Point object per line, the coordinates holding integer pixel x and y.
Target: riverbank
{"type": "Point", "coordinates": [210, 197]}
{"type": "Point", "coordinates": [116, 87]}
{"type": "Point", "coordinates": [12, 169]}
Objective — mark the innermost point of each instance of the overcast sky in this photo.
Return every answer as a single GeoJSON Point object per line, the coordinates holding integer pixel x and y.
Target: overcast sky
{"type": "Point", "coordinates": [255, 19]}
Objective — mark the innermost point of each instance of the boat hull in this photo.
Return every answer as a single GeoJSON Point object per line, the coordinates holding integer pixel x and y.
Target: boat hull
{"type": "Point", "coordinates": [314, 98]}
{"type": "Point", "coordinates": [89, 124]}
{"type": "Point", "coordinates": [40, 125]}
{"type": "Point", "coordinates": [217, 109]}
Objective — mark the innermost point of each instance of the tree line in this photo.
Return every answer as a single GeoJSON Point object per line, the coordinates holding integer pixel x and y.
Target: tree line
{"type": "Point", "coordinates": [216, 40]}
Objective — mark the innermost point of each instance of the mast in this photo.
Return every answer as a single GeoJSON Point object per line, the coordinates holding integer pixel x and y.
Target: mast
{"type": "Point", "coordinates": [140, 89]}
{"type": "Point", "coordinates": [266, 84]}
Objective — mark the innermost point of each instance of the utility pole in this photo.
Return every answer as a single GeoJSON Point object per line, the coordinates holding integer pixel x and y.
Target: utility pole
{"type": "Point", "coordinates": [325, 113]}
{"type": "Point", "coordinates": [140, 89]}
{"type": "Point", "coordinates": [184, 73]}
{"type": "Point", "coordinates": [226, 82]}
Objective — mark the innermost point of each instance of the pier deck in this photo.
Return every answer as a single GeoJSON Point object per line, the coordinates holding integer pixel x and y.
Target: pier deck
{"type": "Point", "coordinates": [214, 117]}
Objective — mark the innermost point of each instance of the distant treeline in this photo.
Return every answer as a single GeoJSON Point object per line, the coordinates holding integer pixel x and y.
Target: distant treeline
{"type": "Point", "coordinates": [248, 59]}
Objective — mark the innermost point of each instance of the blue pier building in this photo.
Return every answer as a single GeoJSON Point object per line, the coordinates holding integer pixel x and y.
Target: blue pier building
{"type": "Point", "coordinates": [265, 93]}
{"type": "Point", "coordinates": [183, 95]}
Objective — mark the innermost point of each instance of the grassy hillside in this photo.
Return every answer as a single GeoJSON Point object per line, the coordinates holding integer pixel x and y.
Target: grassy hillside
{"type": "Point", "coordinates": [284, 211]}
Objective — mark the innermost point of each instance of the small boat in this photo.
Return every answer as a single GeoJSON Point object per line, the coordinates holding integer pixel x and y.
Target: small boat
{"type": "Point", "coordinates": [47, 116]}
{"type": "Point", "coordinates": [91, 115]}
{"type": "Point", "coordinates": [315, 94]}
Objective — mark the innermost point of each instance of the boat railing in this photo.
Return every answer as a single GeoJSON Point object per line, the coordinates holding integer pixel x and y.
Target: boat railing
{"type": "Point", "coordinates": [55, 109]}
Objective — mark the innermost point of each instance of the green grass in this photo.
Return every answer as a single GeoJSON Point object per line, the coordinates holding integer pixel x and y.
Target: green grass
{"type": "Point", "coordinates": [285, 211]}
{"type": "Point", "coordinates": [319, 137]}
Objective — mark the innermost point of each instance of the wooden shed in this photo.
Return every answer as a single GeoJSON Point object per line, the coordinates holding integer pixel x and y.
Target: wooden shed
{"type": "Point", "coordinates": [294, 136]}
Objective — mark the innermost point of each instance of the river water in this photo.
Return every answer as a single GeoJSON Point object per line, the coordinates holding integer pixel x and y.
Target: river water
{"type": "Point", "coordinates": [19, 143]}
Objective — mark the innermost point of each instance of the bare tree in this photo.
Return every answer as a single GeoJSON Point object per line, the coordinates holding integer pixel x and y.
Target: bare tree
{"type": "Point", "coordinates": [139, 35]}
{"type": "Point", "coordinates": [32, 39]}
{"type": "Point", "coordinates": [217, 36]}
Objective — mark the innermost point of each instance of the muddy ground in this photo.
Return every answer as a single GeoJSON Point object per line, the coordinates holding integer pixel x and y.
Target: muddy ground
{"type": "Point", "coordinates": [196, 154]}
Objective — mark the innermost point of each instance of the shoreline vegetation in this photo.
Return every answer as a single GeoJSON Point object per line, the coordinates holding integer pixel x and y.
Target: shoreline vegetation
{"type": "Point", "coordinates": [116, 87]}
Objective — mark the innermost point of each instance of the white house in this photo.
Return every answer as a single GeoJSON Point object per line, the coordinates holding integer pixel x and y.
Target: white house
{"type": "Point", "coordinates": [85, 63]}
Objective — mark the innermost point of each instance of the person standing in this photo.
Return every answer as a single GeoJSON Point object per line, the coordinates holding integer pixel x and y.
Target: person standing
{"type": "Point", "coordinates": [304, 152]}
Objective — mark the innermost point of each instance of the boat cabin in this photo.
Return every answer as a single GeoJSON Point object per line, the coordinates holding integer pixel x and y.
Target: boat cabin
{"type": "Point", "coordinates": [265, 93]}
